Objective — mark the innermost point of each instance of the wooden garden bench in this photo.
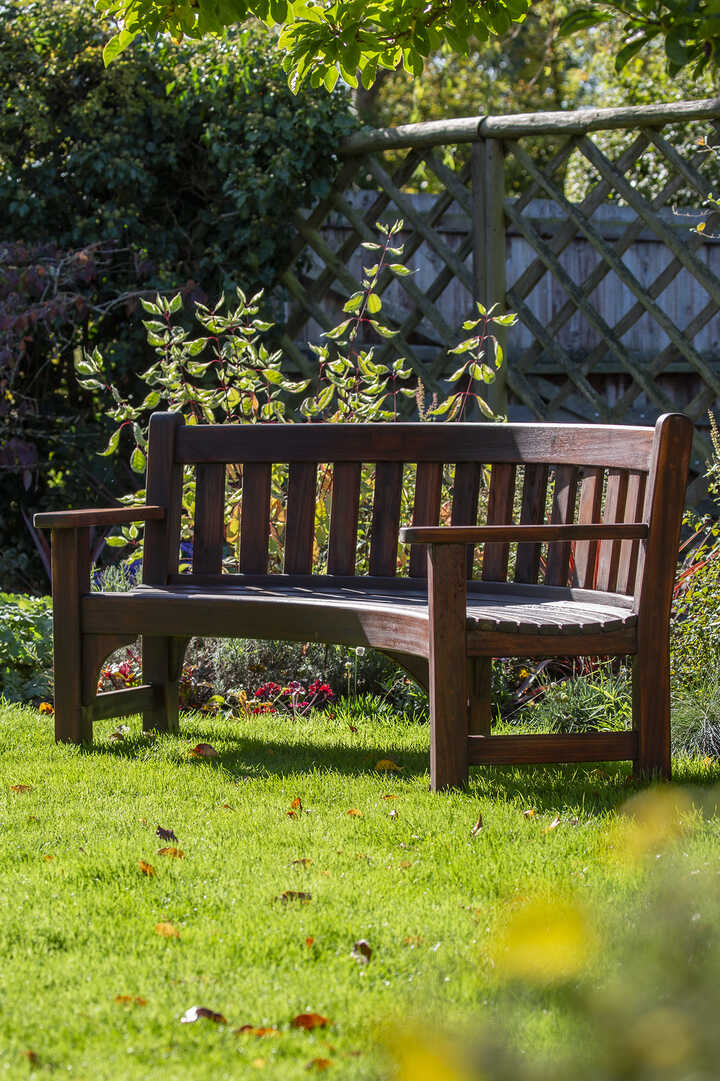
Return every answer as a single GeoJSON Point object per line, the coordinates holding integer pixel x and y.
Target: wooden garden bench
{"type": "Point", "coordinates": [606, 500]}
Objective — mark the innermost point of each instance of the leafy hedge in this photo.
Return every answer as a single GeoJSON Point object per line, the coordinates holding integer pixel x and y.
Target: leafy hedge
{"type": "Point", "coordinates": [177, 167]}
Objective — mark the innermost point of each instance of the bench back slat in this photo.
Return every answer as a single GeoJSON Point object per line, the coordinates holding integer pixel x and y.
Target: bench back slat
{"type": "Point", "coordinates": [465, 499]}
{"type": "Point", "coordinates": [614, 511]}
{"type": "Point", "coordinates": [589, 512]}
{"type": "Point", "coordinates": [345, 508]}
{"type": "Point", "coordinates": [209, 531]}
{"type": "Point", "coordinates": [562, 513]}
{"type": "Point", "coordinates": [300, 518]}
{"type": "Point", "coordinates": [532, 512]}
{"type": "Point", "coordinates": [501, 499]}
{"type": "Point", "coordinates": [426, 510]}
{"type": "Point", "coordinates": [163, 486]}
{"type": "Point", "coordinates": [629, 550]}
{"type": "Point", "coordinates": [386, 519]}
{"type": "Point", "coordinates": [255, 517]}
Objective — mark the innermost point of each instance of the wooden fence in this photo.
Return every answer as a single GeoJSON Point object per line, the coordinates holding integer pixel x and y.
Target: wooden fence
{"type": "Point", "coordinates": [617, 296]}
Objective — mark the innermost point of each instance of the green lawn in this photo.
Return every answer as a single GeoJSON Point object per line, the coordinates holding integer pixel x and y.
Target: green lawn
{"type": "Point", "coordinates": [78, 915]}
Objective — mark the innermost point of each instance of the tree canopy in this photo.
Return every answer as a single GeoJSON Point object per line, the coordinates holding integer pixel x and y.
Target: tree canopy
{"type": "Point", "coordinates": [324, 40]}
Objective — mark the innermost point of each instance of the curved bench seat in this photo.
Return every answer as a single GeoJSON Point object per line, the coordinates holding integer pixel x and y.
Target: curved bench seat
{"type": "Point", "coordinates": [382, 617]}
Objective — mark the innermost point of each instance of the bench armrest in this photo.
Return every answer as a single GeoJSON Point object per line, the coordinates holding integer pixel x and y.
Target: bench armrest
{"type": "Point", "coordinates": [460, 534]}
{"type": "Point", "coordinates": [102, 516]}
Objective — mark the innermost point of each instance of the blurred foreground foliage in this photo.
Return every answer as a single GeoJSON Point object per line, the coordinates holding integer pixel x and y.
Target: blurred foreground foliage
{"type": "Point", "coordinates": [652, 1016]}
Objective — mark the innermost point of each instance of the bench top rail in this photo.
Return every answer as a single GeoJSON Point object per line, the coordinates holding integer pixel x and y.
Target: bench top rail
{"type": "Point", "coordinates": [619, 446]}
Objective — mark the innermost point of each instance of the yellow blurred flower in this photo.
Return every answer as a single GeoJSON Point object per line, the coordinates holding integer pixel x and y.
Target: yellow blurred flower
{"type": "Point", "coordinates": [46, 707]}
{"type": "Point", "coordinates": [545, 941]}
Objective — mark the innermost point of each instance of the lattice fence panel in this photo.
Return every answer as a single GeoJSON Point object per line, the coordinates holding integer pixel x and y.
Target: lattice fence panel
{"type": "Point", "coordinates": [617, 296]}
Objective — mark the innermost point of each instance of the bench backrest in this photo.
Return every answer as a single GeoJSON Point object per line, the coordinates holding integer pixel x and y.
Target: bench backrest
{"type": "Point", "coordinates": [423, 474]}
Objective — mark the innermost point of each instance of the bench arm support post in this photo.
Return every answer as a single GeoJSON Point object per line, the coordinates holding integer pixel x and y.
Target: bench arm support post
{"type": "Point", "coordinates": [447, 598]}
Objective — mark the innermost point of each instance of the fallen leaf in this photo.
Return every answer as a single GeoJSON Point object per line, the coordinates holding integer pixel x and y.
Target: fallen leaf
{"type": "Point", "coordinates": [296, 804]}
{"type": "Point", "coordinates": [352, 727]}
{"type": "Point", "coordinates": [414, 940]}
{"type": "Point", "coordinates": [393, 813]}
{"type": "Point", "coordinates": [310, 942]}
{"type": "Point", "coordinates": [553, 825]}
{"type": "Point", "coordinates": [165, 835]}
{"type": "Point", "coordinates": [250, 1030]}
{"type": "Point", "coordinates": [146, 868]}
{"type": "Point", "coordinates": [119, 733]}
{"type": "Point", "coordinates": [361, 951]}
{"type": "Point", "coordinates": [196, 1012]}
{"type": "Point", "coordinates": [171, 850]}
{"type": "Point", "coordinates": [203, 750]}
{"type": "Point", "coordinates": [355, 813]}
{"type": "Point", "coordinates": [130, 1000]}
{"type": "Point", "coordinates": [142, 821]}
{"type": "Point", "coordinates": [21, 787]}
{"type": "Point", "coordinates": [166, 930]}
{"type": "Point", "coordinates": [390, 795]}
{"type": "Point", "coordinates": [49, 857]}
{"type": "Point", "coordinates": [319, 1064]}
{"type": "Point", "coordinates": [477, 827]}
{"type": "Point", "coordinates": [386, 765]}
{"type": "Point", "coordinates": [530, 813]}
{"type": "Point", "coordinates": [303, 861]}
{"type": "Point", "coordinates": [294, 895]}
{"type": "Point", "coordinates": [32, 818]}
{"type": "Point", "coordinates": [32, 1057]}
{"type": "Point", "coordinates": [309, 1021]}
{"type": "Point", "coordinates": [227, 807]}
{"type": "Point", "coordinates": [45, 707]}
{"type": "Point", "coordinates": [405, 864]}
{"type": "Point", "coordinates": [707, 760]}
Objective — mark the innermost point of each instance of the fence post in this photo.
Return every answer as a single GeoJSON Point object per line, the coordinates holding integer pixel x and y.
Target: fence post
{"type": "Point", "coordinates": [488, 224]}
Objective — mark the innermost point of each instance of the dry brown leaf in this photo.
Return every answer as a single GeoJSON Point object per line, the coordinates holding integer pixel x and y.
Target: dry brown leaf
{"type": "Point", "coordinates": [171, 850]}
{"type": "Point", "coordinates": [530, 813]}
{"type": "Point", "coordinates": [203, 750]}
{"type": "Point", "coordinates": [310, 942]}
{"type": "Point", "coordinates": [296, 804]}
{"type": "Point", "coordinates": [319, 1064]}
{"type": "Point", "coordinates": [165, 835]}
{"type": "Point", "coordinates": [354, 813]}
{"type": "Point", "coordinates": [707, 760]}
{"type": "Point", "coordinates": [32, 1057]}
{"type": "Point", "coordinates": [414, 940]}
{"type": "Point", "coordinates": [361, 951]}
{"type": "Point", "coordinates": [477, 827]}
{"type": "Point", "coordinates": [310, 1020]}
{"type": "Point", "coordinates": [21, 788]}
{"type": "Point", "coordinates": [32, 818]}
{"type": "Point", "coordinates": [143, 821]}
{"type": "Point", "coordinates": [49, 857]}
{"type": "Point", "coordinates": [166, 930]}
{"type": "Point", "coordinates": [294, 895]}
{"type": "Point", "coordinates": [227, 807]}
{"type": "Point", "coordinates": [390, 795]}
{"type": "Point", "coordinates": [405, 864]}
{"type": "Point", "coordinates": [196, 1012]}
{"type": "Point", "coordinates": [352, 727]}
{"type": "Point", "coordinates": [130, 1000]}
{"type": "Point", "coordinates": [386, 765]}
{"type": "Point", "coordinates": [146, 868]}
{"type": "Point", "coordinates": [303, 861]}
{"type": "Point", "coordinates": [553, 825]}
{"type": "Point", "coordinates": [250, 1030]}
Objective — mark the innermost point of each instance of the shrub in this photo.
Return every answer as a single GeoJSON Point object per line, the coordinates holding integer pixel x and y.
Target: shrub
{"type": "Point", "coordinates": [172, 168]}
{"type": "Point", "coordinates": [25, 647]}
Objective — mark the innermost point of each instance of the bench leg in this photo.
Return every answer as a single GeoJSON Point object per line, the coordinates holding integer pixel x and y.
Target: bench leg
{"type": "Point", "coordinates": [651, 712]}
{"type": "Point", "coordinates": [161, 668]}
{"type": "Point", "coordinates": [448, 691]}
{"type": "Point", "coordinates": [70, 578]}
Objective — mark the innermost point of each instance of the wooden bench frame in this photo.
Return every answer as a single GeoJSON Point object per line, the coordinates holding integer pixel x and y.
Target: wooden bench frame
{"type": "Point", "coordinates": [622, 551]}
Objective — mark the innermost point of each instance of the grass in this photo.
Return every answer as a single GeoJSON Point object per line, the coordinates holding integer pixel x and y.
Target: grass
{"type": "Point", "coordinates": [78, 916]}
